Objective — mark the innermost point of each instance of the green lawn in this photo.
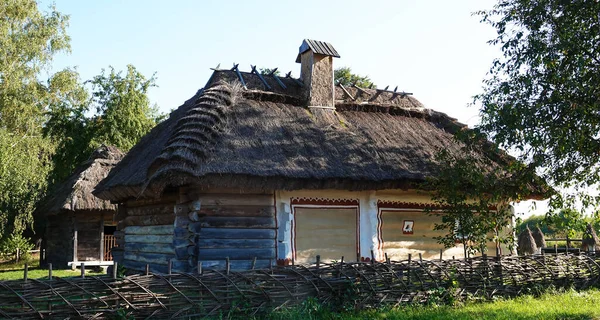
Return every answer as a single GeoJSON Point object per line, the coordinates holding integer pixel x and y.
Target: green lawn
{"type": "Point", "coordinates": [566, 305]}
{"type": "Point", "coordinates": [14, 271]}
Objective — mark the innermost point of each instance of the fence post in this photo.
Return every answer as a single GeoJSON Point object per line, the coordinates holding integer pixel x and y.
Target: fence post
{"type": "Point", "coordinates": [372, 257]}
{"type": "Point", "coordinates": [49, 271]}
{"type": "Point", "coordinates": [441, 253]}
{"type": "Point", "coordinates": [387, 260]}
{"type": "Point", "coordinates": [26, 269]}
{"type": "Point", "coordinates": [318, 261]}
{"type": "Point", "coordinates": [114, 271]}
{"type": "Point", "coordinates": [227, 266]}
{"type": "Point", "coordinates": [408, 271]}
{"type": "Point", "coordinates": [17, 259]}
{"type": "Point", "coordinates": [200, 267]}
{"type": "Point", "coordinates": [147, 269]}
{"type": "Point", "coordinates": [555, 249]}
{"type": "Point", "coordinates": [83, 270]}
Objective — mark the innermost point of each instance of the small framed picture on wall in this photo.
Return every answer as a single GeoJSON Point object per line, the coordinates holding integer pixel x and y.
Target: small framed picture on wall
{"type": "Point", "coordinates": [407, 228]}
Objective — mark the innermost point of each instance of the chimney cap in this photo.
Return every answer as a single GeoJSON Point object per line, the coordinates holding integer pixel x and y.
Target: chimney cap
{"type": "Point", "coordinates": [320, 47]}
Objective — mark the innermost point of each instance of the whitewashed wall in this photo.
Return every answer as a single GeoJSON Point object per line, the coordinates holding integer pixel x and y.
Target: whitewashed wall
{"type": "Point", "coordinates": [368, 222]}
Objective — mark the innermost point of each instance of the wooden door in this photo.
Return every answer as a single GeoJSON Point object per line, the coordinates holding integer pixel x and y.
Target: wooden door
{"type": "Point", "coordinates": [328, 232]}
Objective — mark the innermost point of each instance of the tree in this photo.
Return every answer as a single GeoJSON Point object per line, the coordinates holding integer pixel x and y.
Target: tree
{"type": "Point", "coordinates": [471, 193]}
{"type": "Point", "coordinates": [123, 107]}
{"type": "Point", "coordinates": [265, 71]}
{"type": "Point", "coordinates": [568, 223]}
{"type": "Point", "coordinates": [345, 76]}
{"type": "Point", "coordinates": [122, 116]}
{"type": "Point", "coordinates": [541, 97]}
{"type": "Point", "coordinates": [534, 221]}
{"type": "Point", "coordinates": [29, 39]}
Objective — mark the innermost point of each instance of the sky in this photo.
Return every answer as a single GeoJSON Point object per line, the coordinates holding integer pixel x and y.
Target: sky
{"type": "Point", "coordinates": [437, 49]}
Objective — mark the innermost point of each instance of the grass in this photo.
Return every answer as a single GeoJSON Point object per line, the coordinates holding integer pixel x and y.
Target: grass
{"type": "Point", "coordinates": [552, 305]}
{"type": "Point", "coordinates": [11, 270]}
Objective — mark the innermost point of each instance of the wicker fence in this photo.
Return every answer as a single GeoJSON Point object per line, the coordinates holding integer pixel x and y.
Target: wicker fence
{"type": "Point", "coordinates": [353, 285]}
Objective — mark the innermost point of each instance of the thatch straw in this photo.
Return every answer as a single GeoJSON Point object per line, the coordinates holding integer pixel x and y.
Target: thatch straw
{"type": "Point", "coordinates": [526, 242]}
{"type": "Point", "coordinates": [75, 193]}
{"type": "Point", "coordinates": [538, 235]}
{"type": "Point", "coordinates": [590, 241]}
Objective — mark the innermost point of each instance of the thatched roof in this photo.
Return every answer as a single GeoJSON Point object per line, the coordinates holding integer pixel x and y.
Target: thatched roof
{"type": "Point", "coordinates": [75, 193]}
{"type": "Point", "coordinates": [256, 138]}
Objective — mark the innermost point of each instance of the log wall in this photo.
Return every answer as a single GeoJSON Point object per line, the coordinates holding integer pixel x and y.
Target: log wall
{"type": "Point", "coordinates": [59, 239]}
{"type": "Point", "coordinates": [89, 231]}
{"type": "Point", "coordinates": [214, 227]}
{"type": "Point", "coordinates": [145, 234]}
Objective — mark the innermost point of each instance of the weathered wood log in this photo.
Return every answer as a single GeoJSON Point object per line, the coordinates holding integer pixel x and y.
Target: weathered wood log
{"type": "Point", "coordinates": [140, 266]}
{"type": "Point", "coordinates": [150, 220]}
{"type": "Point", "coordinates": [148, 238]}
{"type": "Point", "coordinates": [166, 248]}
{"type": "Point", "coordinates": [233, 233]}
{"type": "Point", "coordinates": [235, 199]}
{"type": "Point", "coordinates": [237, 211]}
{"type": "Point", "coordinates": [164, 199]}
{"type": "Point", "coordinates": [162, 209]}
{"type": "Point", "coordinates": [236, 265]}
{"type": "Point", "coordinates": [146, 230]}
{"type": "Point", "coordinates": [150, 258]}
{"type": "Point", "coordinates": [235, 243]}
{"type": "Point", "coordinates": [236, 222]}
{"type": "Point", "coordinates": [236, 254]}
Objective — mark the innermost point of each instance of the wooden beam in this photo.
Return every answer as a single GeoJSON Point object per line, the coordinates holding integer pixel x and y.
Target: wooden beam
{"type": "Point", "coordinates": [102, 237]}
{"type": "Point", "coordinates": [298, 82]}
{"type": "Point", "coordinates": [239, 74]}
{"type": "Point", "coordinates": [346, 92]}
{"type": "Point", "coordinates": [260, 77]}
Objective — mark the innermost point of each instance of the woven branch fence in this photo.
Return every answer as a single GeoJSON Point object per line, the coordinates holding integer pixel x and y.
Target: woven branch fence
{"type": "Point", "coordinates": [355, 285]}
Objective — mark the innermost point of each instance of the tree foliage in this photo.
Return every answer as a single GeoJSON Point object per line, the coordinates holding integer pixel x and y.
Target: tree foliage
{"type": "Point", "coordinates": [345, 76]}
{"type": "Point", "coordinates": [472, 189]}
{"type": "Point", "coordinates": [28, 41]}
{"type": "Point", "coordinates": [47, 127]}
{"type": "Point", "coordinates": [265, 71]}
{"type": "Point", "coordinates": [115, 111]}
{"type": "Point", "coordinates": [541, 95]}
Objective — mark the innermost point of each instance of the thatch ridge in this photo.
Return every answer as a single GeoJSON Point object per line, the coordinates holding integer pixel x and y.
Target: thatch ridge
{"type": "Point", "coordinates": [75, 193]}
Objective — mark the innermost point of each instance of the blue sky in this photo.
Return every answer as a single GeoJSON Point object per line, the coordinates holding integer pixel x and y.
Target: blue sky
{"type": "Point", "coordinates": [434, 49]}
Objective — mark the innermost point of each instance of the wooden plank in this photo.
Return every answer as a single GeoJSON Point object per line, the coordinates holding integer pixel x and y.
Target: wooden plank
{"type": "Point", "coordinates": [232, 233]}
{"type": "Point", "coordinates": [165, 199]}
{"type": "Point", "coordinates": [163, 209]}
{"type": "Point", "coordinates": [236, 254]}
{"type": "Point", "coordinates": [150, 220]}
{"type": "Point", "coordinates": [149, 247]}
{"type": "Point", "coordinates": [236, 199]}
{"type": "Point", "coordinates": [235, 243]}
{"type": "Point", "coordinates": [238, 211]}
{"type": "Point", "coordinates": [141, 266]}
{"type": "Point", "coordinates": [144, 230]}
{"type": "Point", "coordinates": [154, 258]}
{"type": "Point", "coordinates": [148, 238]}
{"type": "Point", "coordinates": [236, 265]}
{"type": "Point", "coordinates": [236, 222]}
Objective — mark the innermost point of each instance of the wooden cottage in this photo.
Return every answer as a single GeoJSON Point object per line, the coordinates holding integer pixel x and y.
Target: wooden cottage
{"type": "Point", "coordinates": [79, 227]}
{"type": "Point", "coordinates": [262, 169]}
